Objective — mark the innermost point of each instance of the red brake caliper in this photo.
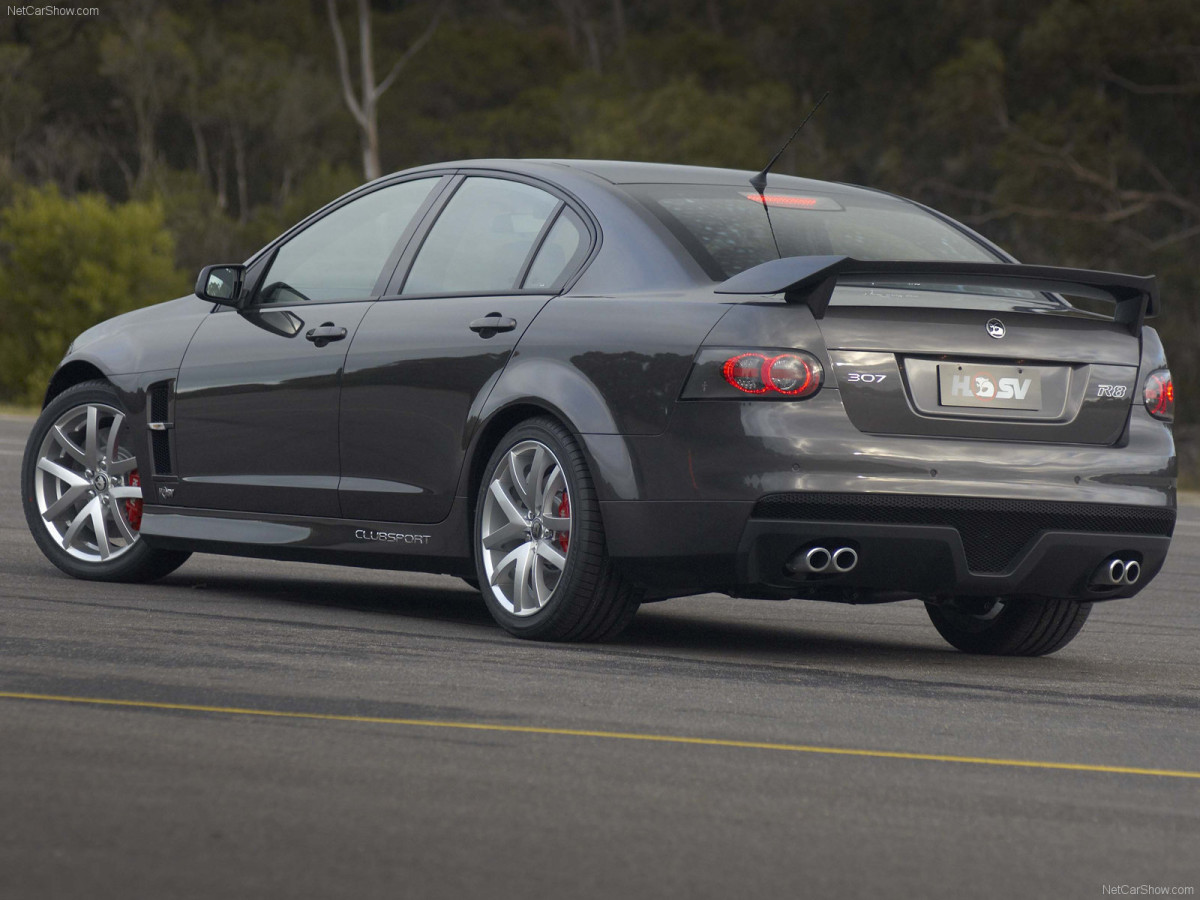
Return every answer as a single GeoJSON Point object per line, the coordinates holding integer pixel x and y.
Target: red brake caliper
{"type": "Point", "coordinates": [564, 512]}
{"type": "Point", "coordinates": [133, 508]}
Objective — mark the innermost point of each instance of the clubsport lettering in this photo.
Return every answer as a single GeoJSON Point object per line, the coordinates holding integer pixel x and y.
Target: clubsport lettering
{"type": "Point", "coordinates": [391, 537]}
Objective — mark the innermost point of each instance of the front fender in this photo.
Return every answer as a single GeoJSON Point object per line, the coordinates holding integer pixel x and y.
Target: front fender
{"type": "Point", "coordinates": [153, 338]}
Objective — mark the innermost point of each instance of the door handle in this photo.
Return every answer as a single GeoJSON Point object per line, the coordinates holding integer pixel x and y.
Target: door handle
{"type": "Point", "coordinates": [325, 333]}
{"type": "Point", "coordinates": [492, 324]}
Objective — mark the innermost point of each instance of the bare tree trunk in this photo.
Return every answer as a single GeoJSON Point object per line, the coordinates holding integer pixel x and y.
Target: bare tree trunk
{"type": "Point", "coordinates": [619, 22]}
{"type": "Point", "coordinates": [714, 16]}
{"type": "Point", "coordinates": [285, 185]}
{"type": "Point", "coordinates": [370, 125]}
{"type": "Point", "coordinates": [593, 42]}
{"type": "Point", "coordinates": [201, 144]}
{"type": "Point", "coordinates": [147, 152]}
{"type": "Point", "coordinates": [222, 169]}
{"type": "Point", "coordinates": [580, 25]}
{"type": "Point", "coordinates": [364, 103]}
{"type": "Point", "coordinates": [239, 167]}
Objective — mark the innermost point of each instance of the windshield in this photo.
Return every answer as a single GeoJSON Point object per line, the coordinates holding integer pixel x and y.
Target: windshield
{"type": "Point", "coordinates": [724, 227]}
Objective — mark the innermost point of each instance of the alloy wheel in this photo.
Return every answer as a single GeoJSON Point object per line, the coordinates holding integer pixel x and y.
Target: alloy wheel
{"type": "Point", "coordinates": [86, 484]}
{"type": "Point", "coordinates": [525, 528]}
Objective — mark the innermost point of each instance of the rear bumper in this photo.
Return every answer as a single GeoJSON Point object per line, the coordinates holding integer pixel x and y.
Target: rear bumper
{"type": "Point", "coordinates": [908, 546]}
{"type": "Point", "coordinates": [731, 491]}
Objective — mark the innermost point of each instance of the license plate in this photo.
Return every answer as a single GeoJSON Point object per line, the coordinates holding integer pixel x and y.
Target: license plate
{"type": "Point", "coordinates": [989, 387]}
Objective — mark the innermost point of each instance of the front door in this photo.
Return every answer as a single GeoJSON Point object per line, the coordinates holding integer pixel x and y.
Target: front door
{"type": "Point", "coordinates": [256, 408]}
{"type": "Point", "coordinates": [426, 356]}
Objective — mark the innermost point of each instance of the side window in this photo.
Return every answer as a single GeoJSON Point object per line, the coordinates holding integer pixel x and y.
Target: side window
{"type": "Point", "coordinates": [482, 238]}
{"type": "Point", "coordinates": [560, 253]}
{"type": "Point", "coordinates": [340, 256]}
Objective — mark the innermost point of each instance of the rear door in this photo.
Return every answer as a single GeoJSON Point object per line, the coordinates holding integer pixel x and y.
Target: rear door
{"type": "Point", "coordinates": [428, 353]}
{"type": "Point", "coordinates": [256, 412]}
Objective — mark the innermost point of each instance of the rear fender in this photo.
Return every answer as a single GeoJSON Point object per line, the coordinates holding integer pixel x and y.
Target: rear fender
{"type": "Point", "coordinates": [532, 387]}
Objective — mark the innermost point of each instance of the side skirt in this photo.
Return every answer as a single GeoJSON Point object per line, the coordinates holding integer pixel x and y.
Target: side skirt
{"type": "Point", "coordinates": [442, 547]}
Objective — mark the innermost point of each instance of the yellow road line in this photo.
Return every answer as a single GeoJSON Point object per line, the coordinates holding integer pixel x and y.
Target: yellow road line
{"type": "Point", "coordinates": [608, 735]}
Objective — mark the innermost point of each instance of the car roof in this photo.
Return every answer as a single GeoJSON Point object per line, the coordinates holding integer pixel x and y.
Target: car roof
{"type": "Point", "coordinates": [619, 172]}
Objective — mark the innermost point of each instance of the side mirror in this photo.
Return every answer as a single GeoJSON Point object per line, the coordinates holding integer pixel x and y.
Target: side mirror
{"type": "Point", "coordinates": [221, 284]}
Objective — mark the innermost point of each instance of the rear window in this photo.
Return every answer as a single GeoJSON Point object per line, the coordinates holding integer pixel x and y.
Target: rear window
{"type": "Point", "coordinates": [725, 227]}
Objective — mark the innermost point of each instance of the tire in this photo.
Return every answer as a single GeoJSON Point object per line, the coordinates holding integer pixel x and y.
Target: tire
{"type": "Point", "coordinates": [546, 575]}
{"type": "Point", "coordinates": [81, 490]}
{"type": "Point", "coordinates": [1009, 627]}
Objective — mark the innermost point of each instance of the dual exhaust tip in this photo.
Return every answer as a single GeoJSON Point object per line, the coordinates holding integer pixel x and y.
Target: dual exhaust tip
{"type": "Point", "coordinates": [820, 560]}
{"type": "Point", "coordinates": [1117, 571]}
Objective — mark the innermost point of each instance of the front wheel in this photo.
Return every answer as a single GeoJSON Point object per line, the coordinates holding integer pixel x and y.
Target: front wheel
{"type": "Point", "coordinates": [1009, 627]}
{"type": "Point", "coordinates": [539, 542]}
{"type": "Point", "coordinates": [81, 489]}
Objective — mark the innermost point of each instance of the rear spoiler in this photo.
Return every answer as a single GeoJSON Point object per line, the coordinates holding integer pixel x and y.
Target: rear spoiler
{"type": "Point", "coordinates": [811, 280]}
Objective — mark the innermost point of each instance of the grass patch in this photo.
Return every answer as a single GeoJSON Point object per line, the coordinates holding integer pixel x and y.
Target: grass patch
{"type": "Point", "coordinates": [14, 409]}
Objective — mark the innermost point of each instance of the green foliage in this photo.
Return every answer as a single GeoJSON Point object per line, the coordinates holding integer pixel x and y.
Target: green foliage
{"type": "Point", "coordinates": [683, 122]}
{"type": "Point", "coordinates": [504, 102]}
{"type": "Point", "coordinates": [68, 263]}
{"type": "Point", "coordinates": [20, 101]}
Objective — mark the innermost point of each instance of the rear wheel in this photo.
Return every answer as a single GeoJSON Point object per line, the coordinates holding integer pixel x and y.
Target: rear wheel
{"type": "Point", "coordinates": [1009, 627]}
{"type": "Point", "coordinates": [539, 541]}
{"type": "Point", "coordinates": [81, 490]}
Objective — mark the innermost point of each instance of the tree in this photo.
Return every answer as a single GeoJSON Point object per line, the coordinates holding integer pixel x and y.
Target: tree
{"type": "Point", "coordinates": [363, 105]}
{"type": "Point", "coordinates": [66, 264]}
{"type": "Point", "coordinates": [148, 61]}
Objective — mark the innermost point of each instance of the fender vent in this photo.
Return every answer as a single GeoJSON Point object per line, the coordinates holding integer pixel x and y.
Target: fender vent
{"type": "Point", "coordinates": [159, 421]}
{"type": "Point", "coordinates": [160, 444]}
{"type": "Point", "coordinates": [160, 395]}
{"type": "Point", "coordinates": [993, 532]}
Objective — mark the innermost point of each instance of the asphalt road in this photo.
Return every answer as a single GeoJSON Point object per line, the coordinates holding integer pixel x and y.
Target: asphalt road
{"type": "Point", "coordinates": [366, 790]}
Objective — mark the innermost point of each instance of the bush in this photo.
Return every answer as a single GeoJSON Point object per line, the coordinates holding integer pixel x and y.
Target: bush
{"type": "Point", "coordinates": [66, 264]}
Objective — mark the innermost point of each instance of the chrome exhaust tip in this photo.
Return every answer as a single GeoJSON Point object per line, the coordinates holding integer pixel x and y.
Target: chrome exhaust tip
{"type": "Point", "coordinates": [817, 559]}
{"type": "Point", "coordinates": [1133, 571]}
{"type": "Point", "coordinates": [1112, 573]}
{"type": "Point", "coordinates": [845, 559]}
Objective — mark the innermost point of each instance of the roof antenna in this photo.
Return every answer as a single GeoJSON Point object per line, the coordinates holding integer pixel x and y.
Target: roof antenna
{"type": "Point", "coordinates": [759, 181]}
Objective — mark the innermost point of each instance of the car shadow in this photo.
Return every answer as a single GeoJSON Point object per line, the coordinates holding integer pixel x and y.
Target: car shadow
{"type": "Point", "coordinates": [445, 602]}
{"type": "Point", "coordinates": [667, 628]}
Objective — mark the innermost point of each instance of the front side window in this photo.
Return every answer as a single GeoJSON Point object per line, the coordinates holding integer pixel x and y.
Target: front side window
{"type": "Point", "coordinates": [341, 255]}
{"type": "Point", "coordinates": [482, 239]}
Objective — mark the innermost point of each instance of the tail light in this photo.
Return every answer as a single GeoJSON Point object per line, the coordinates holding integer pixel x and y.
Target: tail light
{"type": "Point", "coordinates": [1159, 395]}
{"type": "Point", "coordinates": [745, 372]}
{"type": "Point", "coordinates": [723, 373]}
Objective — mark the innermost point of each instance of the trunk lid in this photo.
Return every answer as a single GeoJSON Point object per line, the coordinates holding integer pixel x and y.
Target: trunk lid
{"type": "Point", "coordinates": [970, 349]}
{"type": "Point", "coordinates": [937, 363]}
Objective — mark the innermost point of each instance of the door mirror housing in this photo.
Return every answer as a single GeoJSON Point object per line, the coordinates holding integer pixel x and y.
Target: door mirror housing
{"type": "Point", "coordinates": [221, 284]}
